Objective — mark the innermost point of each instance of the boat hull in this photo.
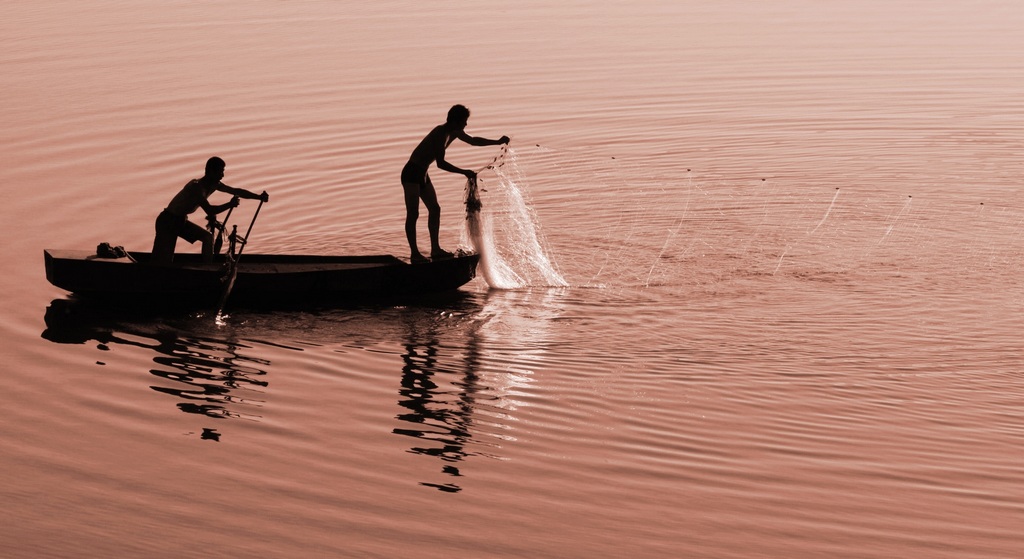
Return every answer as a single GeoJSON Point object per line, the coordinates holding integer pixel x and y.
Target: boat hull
{"type": "Point", "coordinates": [262, 280]}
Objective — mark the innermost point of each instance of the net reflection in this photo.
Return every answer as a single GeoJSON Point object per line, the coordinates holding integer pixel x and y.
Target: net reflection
{"type": "Point", "coordinates": [208, 377]}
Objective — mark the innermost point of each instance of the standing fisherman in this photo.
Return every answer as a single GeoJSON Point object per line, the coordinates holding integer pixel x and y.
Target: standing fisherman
{"type": "Point", "coordinates": [416, 182]}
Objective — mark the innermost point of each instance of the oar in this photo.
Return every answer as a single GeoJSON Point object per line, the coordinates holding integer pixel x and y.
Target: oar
{"type": "Point", "coordinates": [233, 264]}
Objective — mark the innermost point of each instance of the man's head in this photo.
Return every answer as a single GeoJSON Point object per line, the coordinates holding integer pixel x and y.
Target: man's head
{"type": "Point", "coordinates": [215, 168]}
{"type": "Point", "coordinates": [458, 116]}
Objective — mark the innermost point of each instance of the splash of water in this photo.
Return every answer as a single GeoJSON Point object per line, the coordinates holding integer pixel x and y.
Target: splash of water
{"type": "Point", "coordinates": [507, 234]}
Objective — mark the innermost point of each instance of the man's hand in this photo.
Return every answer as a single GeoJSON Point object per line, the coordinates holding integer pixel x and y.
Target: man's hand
{"type": "Point", "coordinates": [469, 174]}
{"type": "Point", "coordinates": [503, 140]}
{"type": "Point", "coordinates": [264, 197]}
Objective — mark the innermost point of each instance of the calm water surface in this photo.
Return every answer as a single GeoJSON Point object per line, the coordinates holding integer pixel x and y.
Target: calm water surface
{"type": "Point", "coordinates": [754, 286]}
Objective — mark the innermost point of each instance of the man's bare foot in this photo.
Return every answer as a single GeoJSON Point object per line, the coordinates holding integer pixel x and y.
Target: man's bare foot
{"type": "Point", "coordinates": [417, 258]}
{"type": "Point", "coordinates": [440, 253]}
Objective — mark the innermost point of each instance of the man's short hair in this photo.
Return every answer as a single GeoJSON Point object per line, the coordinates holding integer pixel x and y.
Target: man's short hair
{"type": "Point", "coordinates": [458, 113]}
{"type": "Point", "coordinates": [215, 163]}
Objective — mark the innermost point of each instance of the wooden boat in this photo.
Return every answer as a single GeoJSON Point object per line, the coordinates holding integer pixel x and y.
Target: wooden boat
{"type": "Point", "coordinates": [261, 280]}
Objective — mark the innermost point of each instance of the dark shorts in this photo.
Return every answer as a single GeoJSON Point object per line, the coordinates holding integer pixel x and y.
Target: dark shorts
{"type": "Point", "coordinates": [168, 224]}
{"type": "Point", "coordinates": [168, 228]}
{"type": "Point", "coordinates": [414, 174]}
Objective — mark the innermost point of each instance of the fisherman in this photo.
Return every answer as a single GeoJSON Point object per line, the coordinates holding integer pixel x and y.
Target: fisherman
{"type": "Point", "coordinates": [173, 221]}
{"type": "Point", "coordinates": [416, 182]}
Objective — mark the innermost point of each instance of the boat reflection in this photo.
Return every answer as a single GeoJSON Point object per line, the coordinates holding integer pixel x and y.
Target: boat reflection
{"type": "Point", "coordinates": [212, 378]}
{"type": "Point", "coordinates": [208, 377]}
{"type": "Point", "coordinates": [465, 364]}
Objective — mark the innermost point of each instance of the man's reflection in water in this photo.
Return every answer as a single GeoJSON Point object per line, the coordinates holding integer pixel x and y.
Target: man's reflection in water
{"type": "Point", "coordinates": [441, 396]}
{"type": "Point", "coordinates": [454, 402]}
{"type": "Point", "coordinates": [212, 377]}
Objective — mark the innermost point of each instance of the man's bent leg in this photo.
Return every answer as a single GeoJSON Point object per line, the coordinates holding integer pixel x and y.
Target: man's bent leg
{"type": "Point", "coordinates": [163, 247]}
{"type": "Point", "coordinates": [208, 248]}
{"type": "Point", "coordinates": [165, 240]}
{"type": "Point", "coordinates": [192, 233]}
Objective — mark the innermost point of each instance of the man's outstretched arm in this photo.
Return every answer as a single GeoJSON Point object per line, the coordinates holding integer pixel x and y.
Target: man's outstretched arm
{"type": "Point", "coordinates": [243, 193]}
{"type": "Point", "coordinates": [474, 141]}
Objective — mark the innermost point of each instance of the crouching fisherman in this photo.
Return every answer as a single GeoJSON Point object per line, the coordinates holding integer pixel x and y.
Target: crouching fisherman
{"type": "Point", "coordinates": [173, 221]}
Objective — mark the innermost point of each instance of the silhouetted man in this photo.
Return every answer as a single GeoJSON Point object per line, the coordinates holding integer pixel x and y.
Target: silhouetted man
{"type": "Point", "coordinates": [416, 182]}
{"type": "Point", "coordinates": [173, 221]}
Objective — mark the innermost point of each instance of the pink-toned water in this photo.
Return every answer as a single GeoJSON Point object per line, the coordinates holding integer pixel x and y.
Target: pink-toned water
{"type": "Point", "coordinates": [778, 312]}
